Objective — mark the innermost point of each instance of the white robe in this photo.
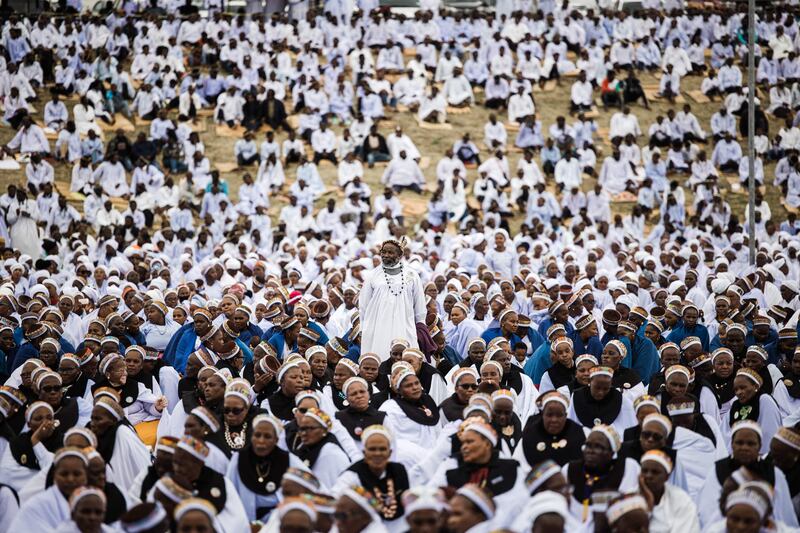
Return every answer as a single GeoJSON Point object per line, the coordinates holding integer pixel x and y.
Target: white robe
{"type": "Point", "coordinates": [8, 508]}
{"type": "Point", "coordinates": [16, 475]}
{"type": "Point", "coordinates": [130, 456]}
{"type": "Point", "coordinates": [44, 512]}
{"type": "Point", "coordinates": [675, 513]}
{"type": "Point", "coordinates": [769, 418]}
{"type": "Point", "coordinates": [695, 453]}
{"type": "Point", "coordinates": [403, 428]}
{"type": "Point", "coordinates": [708, 500]}
{"type": "Point", "coordinates": [384, 316]}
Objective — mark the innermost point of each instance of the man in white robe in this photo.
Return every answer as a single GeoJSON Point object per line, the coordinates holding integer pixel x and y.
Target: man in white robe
{"type": "Point", "coordinates": [615, 174]}
{"type": "Point", "coordinates": [111, 175]}
{"type": "Point", "coordinates": [391, 303]}
{"type": "Point", "coordinates": [520, 106]}
{"type": "Point", "coordinates": [403, 173]}
{"type": "Point", "coordinates": [458, 90]}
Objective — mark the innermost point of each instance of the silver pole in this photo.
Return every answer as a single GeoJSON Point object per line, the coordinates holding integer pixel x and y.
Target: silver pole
{"type": "Point", "coordinates": [751, 122]}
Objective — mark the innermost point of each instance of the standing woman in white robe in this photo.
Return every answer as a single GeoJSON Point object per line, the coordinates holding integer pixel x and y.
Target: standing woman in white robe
{"type": "Point", "coordinates": [49, 509]}
{"type": "Point", "coordinates": [391, 303]}
{"type": "Point", "coordinates": [22, 216]}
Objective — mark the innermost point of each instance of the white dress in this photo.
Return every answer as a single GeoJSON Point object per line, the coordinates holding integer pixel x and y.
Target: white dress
{"type": "Point", "coordinates": [24, 233]}
{"type": "Point", "coordinates": [390, 311]}
{"type": "Point", "coordinates": [8, 508]}
{"type": "Point", "coordinates": [675, 513]}
{"type": "Point", "coordinates": [44, 512]}
{"type": "Point", "coordinates": [130, 456]}
{"type": "Point", "coordinates": [403, 428]}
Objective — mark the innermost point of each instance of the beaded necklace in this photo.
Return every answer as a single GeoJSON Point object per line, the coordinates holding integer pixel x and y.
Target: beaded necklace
{"type": "Point", "coordinates": [388, 501]}
{"type": "Point", "coordinates": [236, 442]}
{"type": "Point", "coordinates": [389, 283]}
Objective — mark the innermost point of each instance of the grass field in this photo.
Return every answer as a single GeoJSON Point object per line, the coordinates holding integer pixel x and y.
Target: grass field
{"type": "Point", "coordinates": [433, 143]}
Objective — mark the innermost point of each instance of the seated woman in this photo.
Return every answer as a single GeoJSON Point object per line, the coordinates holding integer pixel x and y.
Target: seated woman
{"type": "Point", "coordinates": [48, 510]}
{"type": "Point", "coordinates": [343, 371]}
{"type": "Point", "coordinates": [746, 441]}
{"type": "Point", "coordinates": [202, 424]}
{"type": "Point", "coordinates": [677, 379]}
{"type": "Point", "coordinates": [86, 501]}
{"type": "Point", "coordinates": [600, 403]}
{"type": "Point", "coordinates": [141, 404]}
{"type": "Point", "coordinates": [358, 414]}
{"type": "Point", "coordinates": [752, 404]}
{"type": "Point", "coordinates": [32, 450]}
{"type": "Point", "coordinates": [563, 370]}
{"type": "Point", "coordinates": [656, 430]}
{"type": "Point", "coordinates": [203, 482]}
{"type": "Point", "coordinates": [625, 379]}
{"type": "Point", "coordinates": [479, 459]}
{"type": "Point", "coordinates": [599, 470]}
{"type": "Point", "coordinates": [257, 470]}
{"type": "Point", "coordinates": [411, 414]}
{"type": "Point", "coordinates": [319, 450]}
{"type": "Point", "coordinates": [117, 442]}
{"type": "Point", "coordinates": [513, 378]}
{"type": "Point", "coordinates": [721, 379]}
{"type": "Point", "coordinates": [465, 383]}
{"type": "Point", "coordinates": [159, 327]}
{"type": "Point", "coordinates": [430, 379]}
{"type": "Point", "coordinates": [772, 379]}
{"type": "Point", "coordinates": [376, 472]}
{"type": "Point", "coordinates": [471, 507]}
{"type": "Point", "coordinates": [550, 434]}
{"type": "Point", "coordinates": [673, 508]}
{"type": "Point", "coordinates": [583, 365]}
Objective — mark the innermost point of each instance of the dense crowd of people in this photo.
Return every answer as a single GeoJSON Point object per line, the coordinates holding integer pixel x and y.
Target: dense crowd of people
{"type": "Point", "coordinates": [184, 365]}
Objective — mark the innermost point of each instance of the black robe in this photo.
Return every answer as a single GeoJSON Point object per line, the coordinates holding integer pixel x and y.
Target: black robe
{"type": "Point", "coordinates": [498, 475]}
{"type": "Point", "coordinates": [538, 445]}
{"type": "Point", "coordinates": [356, 421]}
{"type": "Point", "coordinates": [395, 472]}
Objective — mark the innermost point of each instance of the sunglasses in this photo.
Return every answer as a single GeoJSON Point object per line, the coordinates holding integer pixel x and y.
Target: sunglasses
{"type": "Point", "coordinates": [234, 410]}
{"type": "Point", "coordinates": [51, 388]}
{"type": "Point", "coordinates": [301, 410]}
{"type": "Point", "coordinates": [651, 435]}
{"type": "Point", "coordinates": [469, 386]}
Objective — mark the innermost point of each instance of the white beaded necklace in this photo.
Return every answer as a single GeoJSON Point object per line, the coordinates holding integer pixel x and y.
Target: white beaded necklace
{"type": "Point", "coordinates": [389, 283]}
